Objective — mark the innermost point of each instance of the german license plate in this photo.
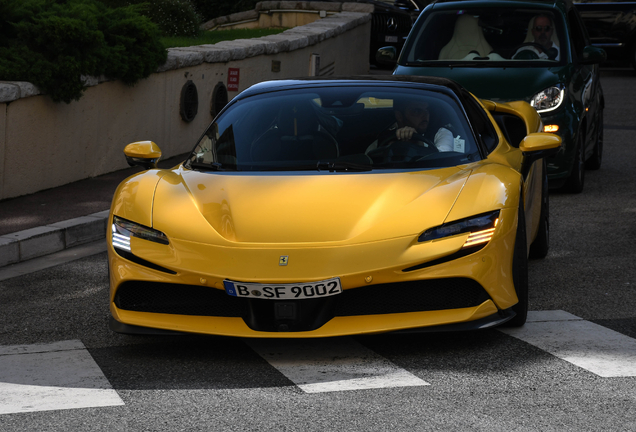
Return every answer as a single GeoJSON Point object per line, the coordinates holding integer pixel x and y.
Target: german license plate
{"type": "Point", "coordinates": [390, 39]}
{"type": "Point", "coordinates": [304, 290]}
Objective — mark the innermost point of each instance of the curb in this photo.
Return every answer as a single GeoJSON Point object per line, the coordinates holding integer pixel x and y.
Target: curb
{"type": "Point", "coordinates": [45, 240]}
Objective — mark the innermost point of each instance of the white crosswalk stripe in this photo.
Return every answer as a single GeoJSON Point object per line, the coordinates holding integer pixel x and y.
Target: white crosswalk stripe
{"type": "Point", "coordinates": [327, 365]}
{"type": "Point", "coordinates": [63, 375]}
{"type": "Point", "coordinates": [590, 346]}
{"type": "Point", "coordinates": [54, 376]}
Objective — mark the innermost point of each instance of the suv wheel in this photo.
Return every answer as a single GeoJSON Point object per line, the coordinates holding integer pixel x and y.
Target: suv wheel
{"type": "Point", "coordinates": [594, 162]}
{"type": "Point", "coordinates": [576, 180]}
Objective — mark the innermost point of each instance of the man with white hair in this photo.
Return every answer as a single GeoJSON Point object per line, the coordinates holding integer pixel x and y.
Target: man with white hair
{"type": "Point", "coordinates": [541, 34]}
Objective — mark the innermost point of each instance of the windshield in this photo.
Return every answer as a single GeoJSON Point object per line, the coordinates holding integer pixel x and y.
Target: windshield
{"type": "Point", "coordinates": [353, 128]}
{"type": "Point", "coordinates": [480, 36]}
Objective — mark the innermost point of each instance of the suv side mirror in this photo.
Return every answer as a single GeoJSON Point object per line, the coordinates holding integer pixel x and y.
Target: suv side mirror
{"type": "Point", "coordinates": [386, 56]}
{"type": "Point", "coordinates": [593, 55]}
{"type": "Point", "coordinates": [143, 153]}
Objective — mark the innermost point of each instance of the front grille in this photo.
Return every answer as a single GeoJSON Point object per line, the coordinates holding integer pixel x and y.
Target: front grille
{"type": "Point", "coordinates": [379, 24]}
{"type": "Point", "coordinates": [260, 315]}
{"type": "Point", "coordinates": [413, 296]}
{"type": "Point", "coordinates": [177, 299]}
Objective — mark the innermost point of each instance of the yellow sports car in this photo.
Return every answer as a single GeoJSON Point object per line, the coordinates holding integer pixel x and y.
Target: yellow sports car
{"type": "Point", "coordinates": [330, 207]}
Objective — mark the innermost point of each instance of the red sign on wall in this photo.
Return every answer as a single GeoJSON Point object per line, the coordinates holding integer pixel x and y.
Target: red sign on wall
{"type": "Point", "coordinates": [233, 79]}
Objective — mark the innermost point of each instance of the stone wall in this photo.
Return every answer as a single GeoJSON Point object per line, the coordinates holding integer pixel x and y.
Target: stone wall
{"type": "Point", "coordinates": [45, 144]}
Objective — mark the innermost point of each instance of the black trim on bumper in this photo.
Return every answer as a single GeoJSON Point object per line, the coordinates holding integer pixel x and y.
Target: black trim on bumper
{"type": "Point", "coordinates": [130, 329]}
{"type": "Point", "coordinates": [134, 258]}
{"type": "Point", "coordinates": [485, 323]}
{"type": "Point", "coordinates": [459, 254]}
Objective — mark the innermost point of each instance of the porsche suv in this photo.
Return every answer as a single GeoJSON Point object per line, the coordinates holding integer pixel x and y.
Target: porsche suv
{"type": "Point", "coordinates": [502, 50]}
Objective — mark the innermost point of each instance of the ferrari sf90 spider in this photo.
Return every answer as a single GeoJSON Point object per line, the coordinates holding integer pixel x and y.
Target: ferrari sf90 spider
{"type": "Point", "coordinates": [329, 207]}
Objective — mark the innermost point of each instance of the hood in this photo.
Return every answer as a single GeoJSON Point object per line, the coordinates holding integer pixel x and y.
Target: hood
{"type": "Point", "coordinates": [498, 84]}
{"type": "Point", "coordinates": [305, 208]}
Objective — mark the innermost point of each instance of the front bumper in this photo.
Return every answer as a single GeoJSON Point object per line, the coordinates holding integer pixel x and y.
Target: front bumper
{"type": "Point", "coordinates": [377, 297]}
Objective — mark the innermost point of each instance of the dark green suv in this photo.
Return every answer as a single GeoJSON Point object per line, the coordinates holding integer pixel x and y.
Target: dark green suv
{"type": "Point", "coordinates": [502, 50]}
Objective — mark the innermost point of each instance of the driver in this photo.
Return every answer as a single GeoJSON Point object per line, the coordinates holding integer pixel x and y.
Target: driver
{"type": "Point", "coordinates": [412, 117]}
{"type": "Point", "coordinates": [542, 34]}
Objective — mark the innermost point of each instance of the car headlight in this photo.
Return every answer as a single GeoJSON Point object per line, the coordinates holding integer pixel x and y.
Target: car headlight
{"type": "Point", "coordinates": [480, 227]}
{"type": "Point", "coordinates": [548, 99]}
{"type": "Point", "coordinates": [124, 229]}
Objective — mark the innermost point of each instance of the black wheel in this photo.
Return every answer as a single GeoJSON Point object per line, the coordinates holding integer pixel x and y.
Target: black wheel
{"type": "Point", "coordinates": [520, 272]}
{"type": "Point", "coordinates": [594, 162]}
{"type": "Point", "coordinates": [541, 244]}
{"type": "Point", "coordinates": [576, 181]}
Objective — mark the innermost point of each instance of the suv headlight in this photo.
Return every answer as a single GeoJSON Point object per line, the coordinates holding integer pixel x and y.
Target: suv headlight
{"type": "Point", "coordinates": [548, 99]}
{"type": "Point", "coordinates": [480, 227]}
{"type": "Point", "coordinates": [124, 229]}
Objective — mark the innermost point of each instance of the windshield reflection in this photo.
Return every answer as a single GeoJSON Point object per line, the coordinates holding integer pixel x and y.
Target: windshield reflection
{"type": "Point", "coordinates": [337, 129]}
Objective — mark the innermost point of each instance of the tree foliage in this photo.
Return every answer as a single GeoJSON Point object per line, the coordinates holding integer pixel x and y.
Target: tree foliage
{"type": "Point", "coordinates": [55, 44]}
{"type": "Point", "coordinates": [174, 17]}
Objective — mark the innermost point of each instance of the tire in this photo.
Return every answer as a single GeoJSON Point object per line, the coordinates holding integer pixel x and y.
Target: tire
{"type": "Point", "coordinates": [520, 273]}
{"type": "Point", "coordinates": [594, 162]}
{"type": "Point", "coordinates": [541, 244]}
{"type": "Point", "coordinates": [576, 181]}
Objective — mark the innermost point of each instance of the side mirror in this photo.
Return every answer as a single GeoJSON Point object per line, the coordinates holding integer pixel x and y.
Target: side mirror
{"type": "Point", "coordinates": [536, 146]}
{"type": "Point", "coordinates": [143, 153]}
{"type": "Point", "coordinates": [593, 55]}
{"type": "Point", "coordinates": [386, 56]}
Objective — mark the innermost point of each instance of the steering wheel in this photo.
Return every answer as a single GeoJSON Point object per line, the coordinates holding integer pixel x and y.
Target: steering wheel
{"type": "Point", "coordinates": [391, 149]}
{"type": "Point", "coordinates": [533, 55]}
{"type": "Point", "coordinates": [391, 139]}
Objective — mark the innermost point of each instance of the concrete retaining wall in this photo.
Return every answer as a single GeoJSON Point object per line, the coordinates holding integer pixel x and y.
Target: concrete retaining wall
{"type": "Point", "coordinates": [45, 144]}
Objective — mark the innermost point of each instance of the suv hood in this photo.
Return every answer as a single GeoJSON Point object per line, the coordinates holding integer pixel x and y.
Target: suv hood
{"type": "Point", "coordinates": [495, 83]}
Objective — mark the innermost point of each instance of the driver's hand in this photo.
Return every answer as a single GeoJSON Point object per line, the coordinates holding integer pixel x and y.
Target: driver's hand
{"type": "Point", "coordinates": [405, 133]}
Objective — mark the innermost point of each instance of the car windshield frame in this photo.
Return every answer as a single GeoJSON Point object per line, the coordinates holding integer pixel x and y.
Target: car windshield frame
{"type": "Point", "coordinates": [250, 132]}
{"type": "Point", "coordinates": [496, 24]}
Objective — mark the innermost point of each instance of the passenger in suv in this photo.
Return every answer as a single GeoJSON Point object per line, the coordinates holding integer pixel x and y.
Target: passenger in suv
{"type": "Point", "coordinates": [495, 49]}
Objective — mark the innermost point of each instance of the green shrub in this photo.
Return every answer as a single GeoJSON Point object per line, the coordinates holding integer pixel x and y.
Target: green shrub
{"type": "Point", "coordinates": [55, 43]}
{"type": "Point", "coordinates": [174, 17]}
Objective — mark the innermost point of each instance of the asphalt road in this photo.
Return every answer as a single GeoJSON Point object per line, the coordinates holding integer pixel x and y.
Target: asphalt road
{"type": "Point", "coordinates": [486, 380]}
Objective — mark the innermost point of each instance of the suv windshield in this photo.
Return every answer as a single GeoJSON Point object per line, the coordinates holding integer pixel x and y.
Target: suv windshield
{"type": "Point", "coordinates": [480, 36]}
{"type": "Point", "coordinates": [336, 129]}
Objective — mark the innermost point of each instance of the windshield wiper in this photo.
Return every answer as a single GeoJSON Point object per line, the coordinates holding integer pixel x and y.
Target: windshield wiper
{"type": "Point", "coordinates": [342, 166]}
{"type": "Point", "coordinates": [213, 166]}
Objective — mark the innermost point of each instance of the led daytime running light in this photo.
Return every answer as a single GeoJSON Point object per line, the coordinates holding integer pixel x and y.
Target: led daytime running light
{"type": "Point", "coordinates": [120, 241]}
{"type": "Point", "coordinates": [480, 227]}
{"type": "Point", "coordinates": [479, 237]}
{"type": "Point", "coordinates": [124, 229]}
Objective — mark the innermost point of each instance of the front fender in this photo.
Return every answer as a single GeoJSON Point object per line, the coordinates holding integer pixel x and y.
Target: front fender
{"type": "Point", "coordinates": [134, 197]}
{"type": "Point", "coordinates": [490, 187]}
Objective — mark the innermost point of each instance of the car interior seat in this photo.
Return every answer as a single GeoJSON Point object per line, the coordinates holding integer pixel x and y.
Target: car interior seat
{"type": "Point", "coordinates": [296, 136]}
{"type": "Point", "coordinates": [467, 37]}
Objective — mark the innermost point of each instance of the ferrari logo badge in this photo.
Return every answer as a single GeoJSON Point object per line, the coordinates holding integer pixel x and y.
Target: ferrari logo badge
{"type": "Point", "coordinates": [283, 260]}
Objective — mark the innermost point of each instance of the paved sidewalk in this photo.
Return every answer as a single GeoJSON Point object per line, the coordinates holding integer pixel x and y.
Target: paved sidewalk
{"type": "Point", "coordinates": [60, 218]}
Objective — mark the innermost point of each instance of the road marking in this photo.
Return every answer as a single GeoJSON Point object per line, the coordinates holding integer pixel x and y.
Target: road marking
{"type": "Point", "coordinates": [327, 365]}
{"type": "Point", "coordinates": [54, 376]}
{"type": "Point", "coordinates": [590, 346]}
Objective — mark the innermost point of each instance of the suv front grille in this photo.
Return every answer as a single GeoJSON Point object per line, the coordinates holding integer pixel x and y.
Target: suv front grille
{"type": "Point", "coordinates": [379, 24]}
